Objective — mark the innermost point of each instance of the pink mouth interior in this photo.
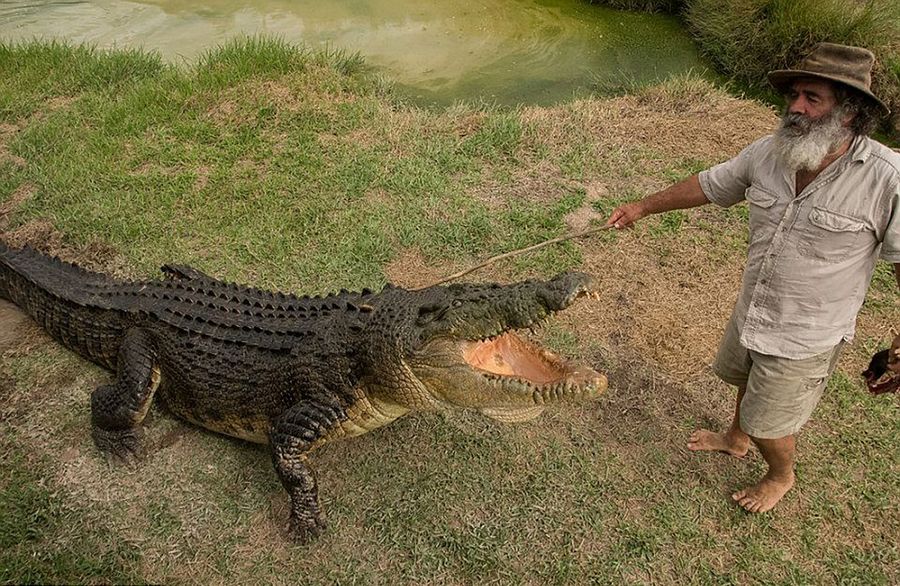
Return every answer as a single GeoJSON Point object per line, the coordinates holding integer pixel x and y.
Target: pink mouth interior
{"type": "Point", "coordinates": [509, 355]}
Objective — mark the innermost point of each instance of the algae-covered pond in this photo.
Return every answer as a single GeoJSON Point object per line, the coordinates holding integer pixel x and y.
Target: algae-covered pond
{"type": "Point", "coordinates": [505, 51]}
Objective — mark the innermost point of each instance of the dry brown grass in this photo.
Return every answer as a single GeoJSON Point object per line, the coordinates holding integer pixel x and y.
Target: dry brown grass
{"type": "Point", "coordinates": [631, 126]}
{"type": "Point", "coordinates": [95, 255]}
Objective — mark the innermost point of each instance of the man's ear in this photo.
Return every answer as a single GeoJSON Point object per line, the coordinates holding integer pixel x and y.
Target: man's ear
{"type": "Point", "coordinates": [848, 119]}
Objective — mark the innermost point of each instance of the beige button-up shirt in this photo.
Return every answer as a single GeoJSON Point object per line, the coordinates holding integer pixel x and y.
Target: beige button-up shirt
{"type": "Point", "coordinates": [810, 256]}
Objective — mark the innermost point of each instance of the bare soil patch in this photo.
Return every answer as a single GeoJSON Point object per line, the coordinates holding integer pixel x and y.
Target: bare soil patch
{"type": "Point", "coordinates": [21, 194]}
{"type": "Point", "coordinates": [411, 270]}
{"type": "Point", "coordinates": [7, 132]}
{"type": "Point", "coordinates": [13, 324]}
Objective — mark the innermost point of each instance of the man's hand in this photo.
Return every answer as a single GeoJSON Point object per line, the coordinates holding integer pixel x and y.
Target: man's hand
{"type": "Point", "coordinates": [625, 216]}
{"type": "Point", "coordinates": [883, 374]}
{"type": "Point", "coordinates": [683, 195]}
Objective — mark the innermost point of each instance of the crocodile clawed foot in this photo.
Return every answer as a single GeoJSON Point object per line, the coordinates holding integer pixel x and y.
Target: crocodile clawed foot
{"type": "Point", "coordinates": [306, 530]}
{"type": "Point", "coordinates": [121, 445]}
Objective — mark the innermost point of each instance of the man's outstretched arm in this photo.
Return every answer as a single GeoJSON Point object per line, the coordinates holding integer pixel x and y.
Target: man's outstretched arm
{"type": "Point", "coordinates": [686, 194]}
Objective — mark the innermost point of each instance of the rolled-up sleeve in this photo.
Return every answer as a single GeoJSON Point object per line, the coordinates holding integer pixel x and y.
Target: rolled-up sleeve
{"type": "Point", "coordinates": [726, 183]}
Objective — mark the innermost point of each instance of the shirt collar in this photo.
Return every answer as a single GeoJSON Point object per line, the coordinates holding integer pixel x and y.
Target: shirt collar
{"type": "Point", "coordinates": [859, 149]}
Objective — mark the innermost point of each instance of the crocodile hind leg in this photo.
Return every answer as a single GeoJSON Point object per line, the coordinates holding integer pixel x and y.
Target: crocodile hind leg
{"type": "Point", "coordinates": [297, 432]}
{"type": "Point", "coordinates": [118, 409]}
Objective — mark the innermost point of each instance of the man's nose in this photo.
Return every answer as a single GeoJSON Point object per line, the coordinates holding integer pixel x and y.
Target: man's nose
{"type": "Point", "coordinates": [798, 105]}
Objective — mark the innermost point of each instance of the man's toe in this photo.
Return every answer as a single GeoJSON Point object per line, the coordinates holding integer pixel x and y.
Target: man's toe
{"type": "Point", "coordinates": [747, 501]}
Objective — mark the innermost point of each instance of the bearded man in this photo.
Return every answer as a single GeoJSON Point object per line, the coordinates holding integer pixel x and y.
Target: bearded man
{"type": "Point", "coordinates": [824, 203]}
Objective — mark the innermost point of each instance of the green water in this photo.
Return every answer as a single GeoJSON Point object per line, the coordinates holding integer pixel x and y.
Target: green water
{"type": "Point", "coordinates": [505, 51]}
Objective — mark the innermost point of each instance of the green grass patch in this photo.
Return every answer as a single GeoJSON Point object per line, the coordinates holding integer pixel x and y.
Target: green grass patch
{"type": "Point", "coordinates": [668, 224]}
{"type": "Point", "coordinates": [249, 154]}
{"type": "Point", "coordinates": [44, 539]}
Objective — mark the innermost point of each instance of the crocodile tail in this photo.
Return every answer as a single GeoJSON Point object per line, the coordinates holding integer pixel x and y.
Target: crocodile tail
{"type": "Point", "coordinates": [59, 297]}
{"type": "Point", "coordinates": [7, 272]}
{"type": "Point", "coordinates": [23, 269]}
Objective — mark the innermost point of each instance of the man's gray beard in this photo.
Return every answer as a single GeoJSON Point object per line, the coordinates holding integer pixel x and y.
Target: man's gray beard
{"type": "Point", "coordinates": [802, 144]}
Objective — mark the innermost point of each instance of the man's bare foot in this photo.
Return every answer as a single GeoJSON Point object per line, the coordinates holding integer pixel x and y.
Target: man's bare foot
{"type": "Point", "coordinates": [764, 495]}
{"type": "Point", "coordinates": [705, 440]}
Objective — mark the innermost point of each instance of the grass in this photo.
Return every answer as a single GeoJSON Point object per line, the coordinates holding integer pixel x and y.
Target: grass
{"type": "Point", "coordinates": [214, 162]}
{"type": "Point", "coordinates": [284, 168]}
{"type": "Point", "coordinates": [746, 39]}
{"type": "Point", "coordinates": [44, 539]}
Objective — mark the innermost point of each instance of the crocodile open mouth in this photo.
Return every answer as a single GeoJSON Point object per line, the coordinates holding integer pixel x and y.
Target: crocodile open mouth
{"type": "Point", "coordinates": [508, 355]}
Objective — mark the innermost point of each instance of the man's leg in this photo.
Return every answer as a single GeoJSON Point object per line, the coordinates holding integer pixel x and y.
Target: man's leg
{"type": "Point", "coordinates": [732, 365]}
{"type": "Point", "coordinates": [779, 455]}
{"type": "Point", "coordinates": [782, 394]}
{"type": "Point", "coordinates": [733, 442]}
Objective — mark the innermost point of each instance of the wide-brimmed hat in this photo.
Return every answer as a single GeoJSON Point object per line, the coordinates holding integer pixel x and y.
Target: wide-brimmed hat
{"type": "Point", "coordinates": [851, 66]}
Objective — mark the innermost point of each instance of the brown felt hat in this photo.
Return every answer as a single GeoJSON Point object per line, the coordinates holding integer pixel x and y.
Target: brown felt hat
{"type": "Point", "coordinates": [851, 66]}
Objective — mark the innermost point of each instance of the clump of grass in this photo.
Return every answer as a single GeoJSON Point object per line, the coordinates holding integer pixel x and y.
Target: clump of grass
{"type": "Point", "coordinates": [266, 56]}
{"type": "Point", "coordinates": [677, 93]}
{"type": "Point", "coordinates": [499, 136]}
{"type": "Point", "coordinates": [30, 73]}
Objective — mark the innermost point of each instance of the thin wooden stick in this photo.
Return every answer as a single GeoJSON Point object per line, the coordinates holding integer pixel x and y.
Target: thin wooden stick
{"type": "Point", "coordinates": [519, 251]}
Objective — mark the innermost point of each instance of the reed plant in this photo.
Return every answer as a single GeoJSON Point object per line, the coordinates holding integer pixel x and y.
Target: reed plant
{"type": "Point", "coordinates": [744, 39]}
{"type": "Point", "coordinates": [747, 38]}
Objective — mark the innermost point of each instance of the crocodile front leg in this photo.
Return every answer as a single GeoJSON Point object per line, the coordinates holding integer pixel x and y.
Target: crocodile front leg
{"type": "Point", "coordinates": [118, 409]}
{"type": "Point", "coordinates": [298, 431]}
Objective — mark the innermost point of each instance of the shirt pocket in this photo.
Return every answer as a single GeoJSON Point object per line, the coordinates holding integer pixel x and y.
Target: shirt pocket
{"type": "Point", "coordinates": [762, 224]}
{"type": "Point", "coordinates": [830, 235]}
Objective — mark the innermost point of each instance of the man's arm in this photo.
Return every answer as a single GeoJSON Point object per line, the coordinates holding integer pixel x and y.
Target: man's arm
{"type": "Point", "coordinates": [683, 195]}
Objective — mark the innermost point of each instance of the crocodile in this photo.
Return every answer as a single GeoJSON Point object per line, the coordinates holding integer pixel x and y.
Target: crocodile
{"type": "Point", "coordinates": [296, 372]}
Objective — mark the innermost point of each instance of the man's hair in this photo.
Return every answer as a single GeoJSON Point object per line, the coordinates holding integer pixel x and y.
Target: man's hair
{"type": "Point", "coordinates": [866, 113]}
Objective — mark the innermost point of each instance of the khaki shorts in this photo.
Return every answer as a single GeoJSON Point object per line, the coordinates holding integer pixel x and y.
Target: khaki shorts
{"type": "Point", "coordinates": [781, 393]}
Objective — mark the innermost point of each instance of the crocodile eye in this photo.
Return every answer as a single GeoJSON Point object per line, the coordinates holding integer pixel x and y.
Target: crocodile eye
{"type": "Point", "coordinates": [456, 303]}
{"type": "Point", "coordinates": [429, 313]}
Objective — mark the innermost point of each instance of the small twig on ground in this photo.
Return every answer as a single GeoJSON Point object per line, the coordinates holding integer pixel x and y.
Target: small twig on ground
{"type": "Point", "coordinates": [517, 252]}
